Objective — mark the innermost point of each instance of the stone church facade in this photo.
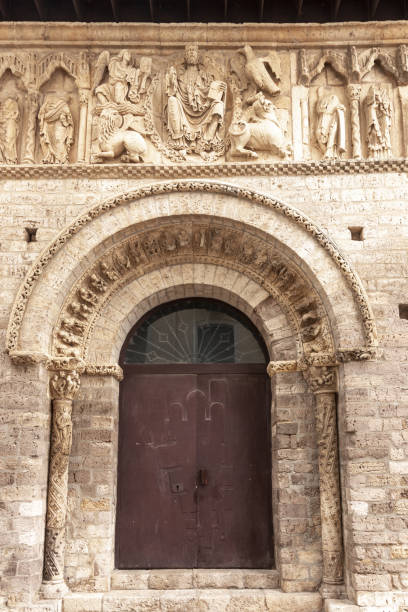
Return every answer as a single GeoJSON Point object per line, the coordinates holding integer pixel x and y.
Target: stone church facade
{"type": "Point", "coordinates": [263, 166]}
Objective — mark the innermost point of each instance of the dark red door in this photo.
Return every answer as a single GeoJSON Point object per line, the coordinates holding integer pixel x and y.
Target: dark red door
{"type": "Point", "coordinates": [194, 467]}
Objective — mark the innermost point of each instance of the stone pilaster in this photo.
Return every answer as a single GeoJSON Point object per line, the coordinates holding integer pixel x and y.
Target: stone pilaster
{"type": "Point", "coordinates": [322, 382]}
{"type": "Point", "coordinates": [64, 383]}
{"type": "Point", "coordinates": [354, 92]}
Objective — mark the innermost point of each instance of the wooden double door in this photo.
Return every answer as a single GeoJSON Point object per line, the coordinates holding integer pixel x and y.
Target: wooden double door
{"type": "Point", "coordinates": [194, 476]}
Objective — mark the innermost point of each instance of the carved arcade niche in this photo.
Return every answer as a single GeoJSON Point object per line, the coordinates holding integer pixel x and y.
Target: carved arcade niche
{"type": "Point", "coordinates": [356, 102]}
{"type": "Point", "coordinates": [197, 105]}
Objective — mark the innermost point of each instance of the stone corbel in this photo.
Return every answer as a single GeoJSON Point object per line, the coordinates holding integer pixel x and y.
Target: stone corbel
{"type": "Point", "coordinates": [64, 384]}
{"type": "Point", "coordinates": [33, 100]}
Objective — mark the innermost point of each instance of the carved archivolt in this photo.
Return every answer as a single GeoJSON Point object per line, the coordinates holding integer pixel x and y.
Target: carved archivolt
{"type": "Point", "coordinates": [201, 240]}
{"type": "Point", "coordinates": [100, 280]}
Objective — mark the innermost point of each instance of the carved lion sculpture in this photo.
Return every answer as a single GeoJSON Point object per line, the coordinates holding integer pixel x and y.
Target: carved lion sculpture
{"type": "Point", "coordinates": [259, 130]}
{"type": "Point", "coordinates": [117, 139]}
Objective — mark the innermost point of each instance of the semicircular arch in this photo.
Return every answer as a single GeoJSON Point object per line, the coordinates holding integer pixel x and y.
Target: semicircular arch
{"type": "Point", "coordinates": [316, 262]}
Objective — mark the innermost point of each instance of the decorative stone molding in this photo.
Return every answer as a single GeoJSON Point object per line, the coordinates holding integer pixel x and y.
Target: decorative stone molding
{"type": "Point", "coordinates": [184, 187]}
{"type": "Point", "coordinates": [27, 358]}
{"type": "Point", "coordinates": [323, 359]}
{"type": "Point", "coordinates": [227, 169]}
{"type": "Point", "coordinates": [104, 370]}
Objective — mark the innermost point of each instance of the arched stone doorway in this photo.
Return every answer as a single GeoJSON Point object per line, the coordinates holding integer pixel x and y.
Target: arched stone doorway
{"type": "Point", "coordinates": [194, 477]}
{"type": "Point", "coordinates": [183, 239]}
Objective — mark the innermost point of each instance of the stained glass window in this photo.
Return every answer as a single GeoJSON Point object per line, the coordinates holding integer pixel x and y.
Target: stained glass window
{"type": "Point", "coordinates": [195, 331]}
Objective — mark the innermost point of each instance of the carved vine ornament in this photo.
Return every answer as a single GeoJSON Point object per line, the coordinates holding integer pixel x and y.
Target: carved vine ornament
{"type": "Point", "coordinates": [203, 106]}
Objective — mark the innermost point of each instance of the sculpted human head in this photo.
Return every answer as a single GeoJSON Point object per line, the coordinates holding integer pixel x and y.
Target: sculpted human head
{"type": "Point", "coordinates": [191, 54]}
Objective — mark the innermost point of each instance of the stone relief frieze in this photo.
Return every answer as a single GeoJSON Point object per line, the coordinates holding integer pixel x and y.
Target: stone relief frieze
{"type": "Point", "coordinates": [198, 105]}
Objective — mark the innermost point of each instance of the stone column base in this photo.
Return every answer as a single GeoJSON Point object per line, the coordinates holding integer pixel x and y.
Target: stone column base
{"type": "Point", "coordinates": [340, 605]}
{"type": "Point", "coordinates": [333, 591]}
{"type": "Point", "coordinates": [53, 590]}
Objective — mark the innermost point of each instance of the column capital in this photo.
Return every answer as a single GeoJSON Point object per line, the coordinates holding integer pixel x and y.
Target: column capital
{"type": "Point", "coordinates": [65, 380]}
{"type": "Point", "coordinates": [354, 91]}
{"type": "Point", "coordinates": [84, 96]}
{"type": "Point", "coordinates": [64, 385]}
{"type": "Point", "coordinates": [321, 379]}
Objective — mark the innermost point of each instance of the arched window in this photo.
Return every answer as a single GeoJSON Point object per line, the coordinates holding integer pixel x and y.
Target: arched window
{"type": "Point", "coordinates": [195, 330]}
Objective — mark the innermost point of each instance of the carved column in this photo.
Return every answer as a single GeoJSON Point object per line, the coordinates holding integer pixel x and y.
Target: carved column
{"type": "Point", "coordinates": [83, 121]}
{"type": "Point", "coordinates": [403, 94]}
{"type": "Point", "coordinates": [323, 382]}
{"type": "Point", "coordinates": [354, 92]}
{"type": "Point", "coordinates": [29, 148]}
{"type": "Point", "coordinates": [64, 383]}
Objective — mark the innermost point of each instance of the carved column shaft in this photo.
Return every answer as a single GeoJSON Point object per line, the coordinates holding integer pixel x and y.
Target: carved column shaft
{"type": "Point", "coordinates": [63, 385]}
{"type": "Point", "coordinates": [330, 509]}
{"type": "Point", "coordinates": [403, 94]}
{"type": "Point", "coordinates": [354, 92]}
{"type": "Point", "coordinates": [322, 382]}
{"type": "Point", "coordinates": [29, 148]}
{"type": "Point", "coordinates": [83, 120]}
{"type": "Point", "coordinates": [61, 438]}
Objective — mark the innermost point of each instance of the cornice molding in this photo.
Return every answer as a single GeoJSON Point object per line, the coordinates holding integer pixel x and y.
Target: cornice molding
{"type": "Point", "coordinates": [294, 35]}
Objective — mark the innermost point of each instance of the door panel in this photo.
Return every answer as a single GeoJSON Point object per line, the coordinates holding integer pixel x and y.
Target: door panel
{"type": "Point", "coordinates": [171, 427]}
{"type": "Point", "coordinates": [156, 524]}
{"type": "Point", "coordinates": [234, 510]}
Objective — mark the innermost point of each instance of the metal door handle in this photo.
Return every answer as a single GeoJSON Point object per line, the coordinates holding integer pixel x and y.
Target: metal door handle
{"type": "Point", "coordinates": [202, 478]}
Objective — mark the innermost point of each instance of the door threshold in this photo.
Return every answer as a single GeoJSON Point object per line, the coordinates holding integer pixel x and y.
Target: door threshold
{"type": "Point", "coordinates": [163, 579]}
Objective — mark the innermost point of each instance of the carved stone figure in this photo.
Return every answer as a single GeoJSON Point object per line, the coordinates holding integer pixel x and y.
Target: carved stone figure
{"type": "Point", "coordinates": [117, 137]}
{"type": "Point", "coordinates": [330, 129]}
{"type": "Point", "coordinates": [259, 130]}
{"type": "Point", "coordinates": [378, 121]}
{"type": "Point", "coordinates": [125, 81]}
{"type": "Point", "coordinates": [10, 127]}
{"type": "Point", "coordinates": [195, 108]}
{"type": "Point", "coordinates": [56, 130]}
{"type": "Point", "coordinates": [260, 73]}
{"type": "Point", "coordinates": [120, 107]}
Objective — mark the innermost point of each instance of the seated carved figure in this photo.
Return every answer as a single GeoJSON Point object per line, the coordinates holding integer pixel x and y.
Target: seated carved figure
{"type": "Point", "coordinates": [259, 130]}
{"type": "Point", "coordinates": [195, 106]}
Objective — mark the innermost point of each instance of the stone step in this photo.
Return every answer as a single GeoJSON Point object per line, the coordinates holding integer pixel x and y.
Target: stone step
{"type": "Point", "coordinates": [195, 579]}
{"type": "Point", "coordinates": [193, 600]}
